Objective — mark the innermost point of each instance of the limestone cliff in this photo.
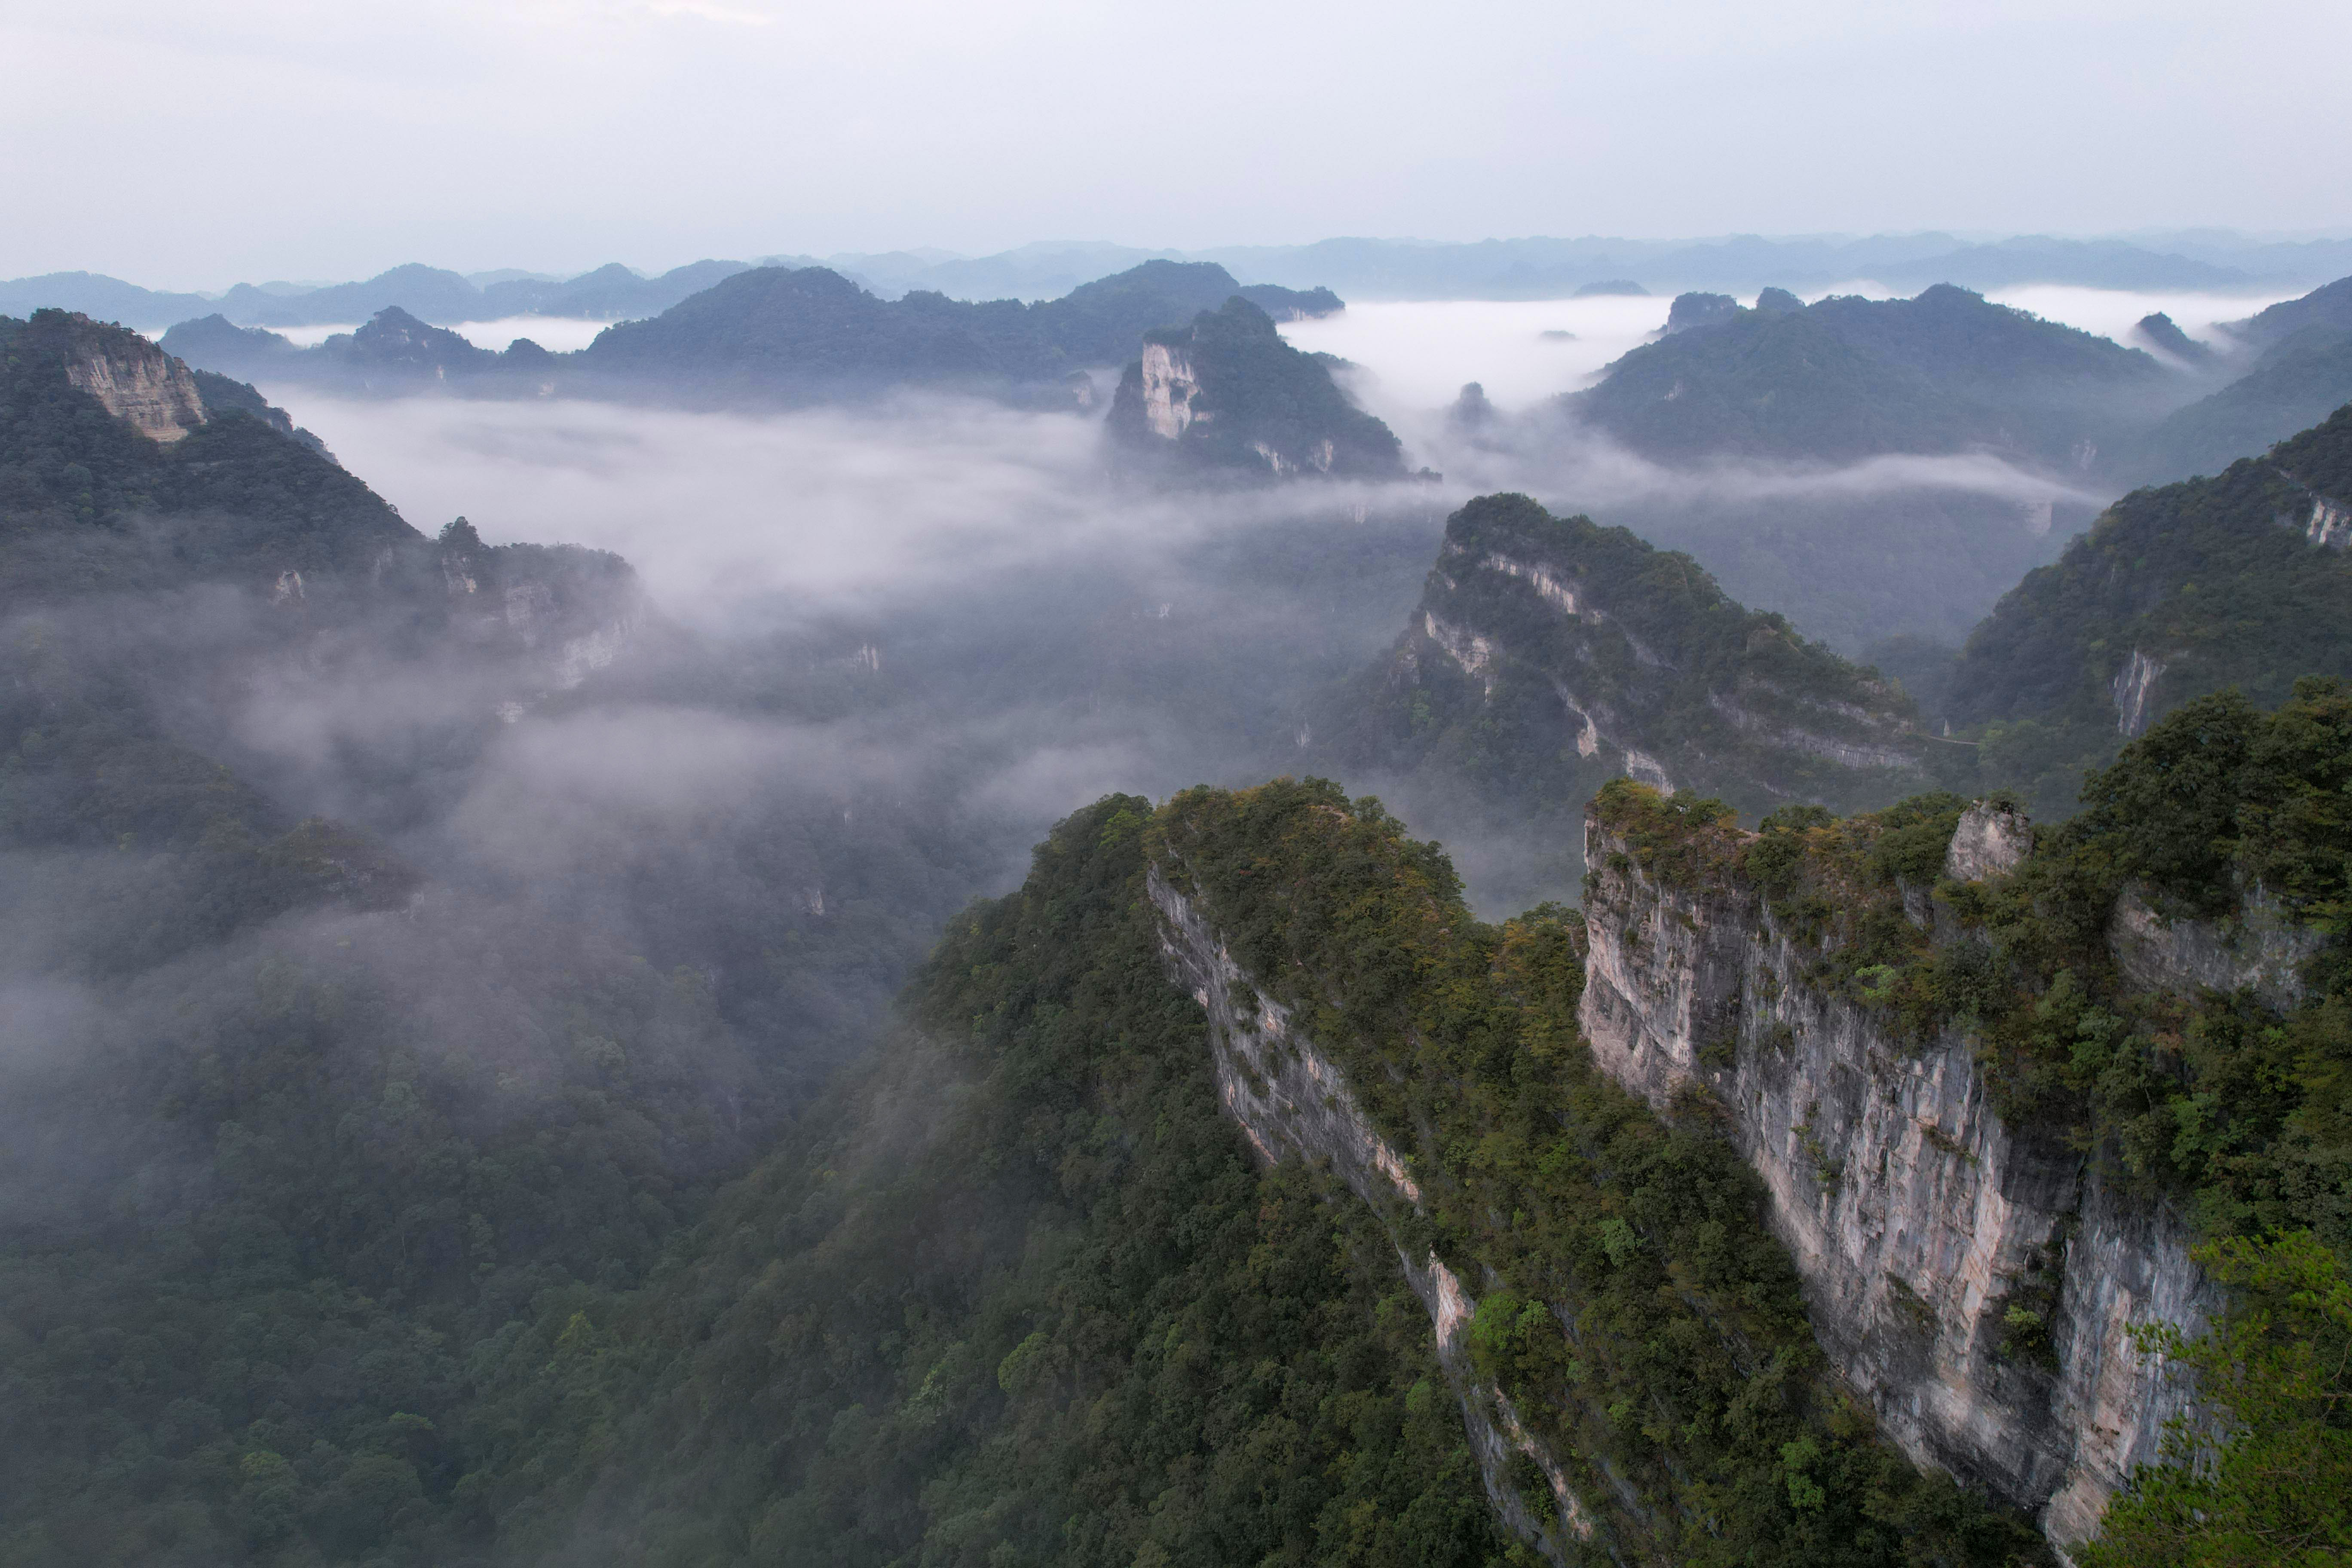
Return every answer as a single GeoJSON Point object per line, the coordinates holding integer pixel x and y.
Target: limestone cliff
{"type": "Point", "coordinates": [1918, 1220]}
{"type": "Point", "coordinates": [139, 384]}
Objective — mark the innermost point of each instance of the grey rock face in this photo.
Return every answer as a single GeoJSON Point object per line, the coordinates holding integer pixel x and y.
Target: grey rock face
{"type": "Point", "coordinates": [2260, 949]}
{"type": "Point", "coordinates": [139, 385]}
{"type": "Point", "coordinates": [1915, 1218]}
{"type": "Point", "coordinates": [1991, 841]}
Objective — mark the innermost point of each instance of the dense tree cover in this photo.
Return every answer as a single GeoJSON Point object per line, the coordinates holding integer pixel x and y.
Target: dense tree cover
{"type": "Point", "coordinates": [1659, 659]}
{"type": "Point", "coordinates": [1635, 1308]}
{"type": "Point", "coordinates": [1262, 409]}
{"type": "Point", "coordinates": [2214, 579]}
{"type": "Point", "coordinates": [1015, 1295]}
{"type": "Point", "coordinates": [1848, 377]}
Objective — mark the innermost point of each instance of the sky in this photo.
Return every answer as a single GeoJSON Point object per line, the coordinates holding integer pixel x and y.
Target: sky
{"type": "Point", "coordinates": [192, 143]}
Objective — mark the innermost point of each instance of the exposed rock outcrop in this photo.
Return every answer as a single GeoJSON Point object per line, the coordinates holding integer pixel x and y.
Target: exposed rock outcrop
{"type": "Point", "coordinates": [1226, 396]}
{"type": "Point", "coordinates": [1991, 841]}
{"type": "Point", "coordinates": [139, 384]}
{"type": "Point", "coordinates": [2258, 949]}
{"type": "Point", "coordinates": [1917, 1218]}
{"type": "Point", "coordinates": [2133, 685]}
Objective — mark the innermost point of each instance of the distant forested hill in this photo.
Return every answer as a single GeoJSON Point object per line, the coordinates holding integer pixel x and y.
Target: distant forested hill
{"type": "Point", "coordinates": [2238, 580]}
{"type": "Point", "coordinates": [1226, 396]}
{"type": "Point", "coordinates": [1848, 377]}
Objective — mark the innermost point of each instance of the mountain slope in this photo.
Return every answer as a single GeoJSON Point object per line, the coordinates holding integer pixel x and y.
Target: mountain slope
{"type": "Point", "coordinates": [303, 1106]}
{"type": "Point", "coordinates": [1551, 654]}
{"type": "Point", "coordinates": [2298, 382]}
{"type": "Point", "coordinates": [2241, 580]}
{"type": "Point", "coordinates": [1029, 1300]}
{"type": "Point", "coordinates": [794, 335]}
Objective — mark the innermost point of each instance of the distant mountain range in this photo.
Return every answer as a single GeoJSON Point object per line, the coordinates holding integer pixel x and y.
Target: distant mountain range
{"type": "Point", "coordinates": [1365, 268]}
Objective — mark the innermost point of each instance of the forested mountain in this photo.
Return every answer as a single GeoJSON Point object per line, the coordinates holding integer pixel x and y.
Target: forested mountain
{"type": "Point", "coordinates": [1227, 396]}
{"type": "Point", "coordinates": [1848, 377]}
{"type": "Point", "coordinates": [1549, 655]}
{"type": "Point", "coordinates": [2238, 580]}
{"type": "Point", "coordinates": [769, 336]}
{"type": "Point", "coordinates": [1023, 1295]}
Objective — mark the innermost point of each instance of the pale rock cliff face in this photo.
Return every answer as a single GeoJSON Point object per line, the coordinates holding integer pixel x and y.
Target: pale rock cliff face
{"type": "Point", "coordinates": [1169, 386]}
{"type": "Point", "coordinates": [1291, 1102]}
{"type": "Point", "coordinates": [1991, 841]}
{"type": "Point", "coordinates": [2329, 525]}
{"type": "Point", "coordinates": [1914, 1216]}
{"type": "Point", "coordinates": [139, 385]}
{"type": "Point", "coordinates": [2132, 685]}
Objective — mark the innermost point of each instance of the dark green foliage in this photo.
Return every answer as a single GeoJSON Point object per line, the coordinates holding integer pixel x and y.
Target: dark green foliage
{"type": "Point", "coordinates": [1636, 1311]}
{"type": "Point", "coordinates": [1848, 377]}
{"type": "Point", "coordinates": [1262, 409]}
{"type": "Point", "coordinates": [2215, 579]}
{"type": "Point", "coordinates": [2266, 1479]}
{"type": "Point", "coordinates": [1018, 1297]}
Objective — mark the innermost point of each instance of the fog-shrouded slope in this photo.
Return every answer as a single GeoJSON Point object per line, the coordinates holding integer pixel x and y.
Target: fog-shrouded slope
{"type": "Point", "coordinates": [1036, 1297]}
{"type": "Point", "coordinates": [2241, 580]}
{"type": "Point", "coordinates": [302, 1101]}
{"type": "Point", "coordinates": [1225, 396]}
{"type": "Point", "coordinates": [1551, 654]}
{"type": "Point", "coordinates": [2297, 381]}
{"type": "Point", "coordinates": [1848, 378]}
{"type": "Point", "coordinates": [2329, 306]}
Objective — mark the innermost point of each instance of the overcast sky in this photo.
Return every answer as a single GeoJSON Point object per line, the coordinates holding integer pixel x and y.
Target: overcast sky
{"type": "Point", "coordinates": [194, 142]}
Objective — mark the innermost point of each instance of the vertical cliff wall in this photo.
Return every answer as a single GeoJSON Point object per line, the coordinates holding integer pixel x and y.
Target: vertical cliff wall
{"type": "Point", "coordinates": [1291, 1102]}
{"type": "Point", "coordinates": [1919, 1223]}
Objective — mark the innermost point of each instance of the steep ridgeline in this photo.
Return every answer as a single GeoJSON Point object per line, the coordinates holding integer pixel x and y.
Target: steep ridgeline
{"type": "Point", "coordinates": [1023, 1298]}
{"type": "Point", "coordinates": [1551, 654]}
{"type": "Point", "coordinates": [1227, 397]}
{"type": "Point", "coordinates": [124, 471]}
{"type": "Point", "coordinates": [1916, 1024]}
{"type": "Point", "coordinates": [1848, 378]}
{"type": "Point", "coordinates": [2241, 580]}
{"type": "Point", "coordinates": [1634, 1378]}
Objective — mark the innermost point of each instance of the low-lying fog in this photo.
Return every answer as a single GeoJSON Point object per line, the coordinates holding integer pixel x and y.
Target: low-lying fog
{"type": "Point", "coordinates": [1416, 355]}
{"type": "Point", "coordinates": [557, 334]}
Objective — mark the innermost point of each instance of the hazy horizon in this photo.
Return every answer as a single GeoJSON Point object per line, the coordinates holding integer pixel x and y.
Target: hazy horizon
{"type": "Point", "coordinates": [562, 133]}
